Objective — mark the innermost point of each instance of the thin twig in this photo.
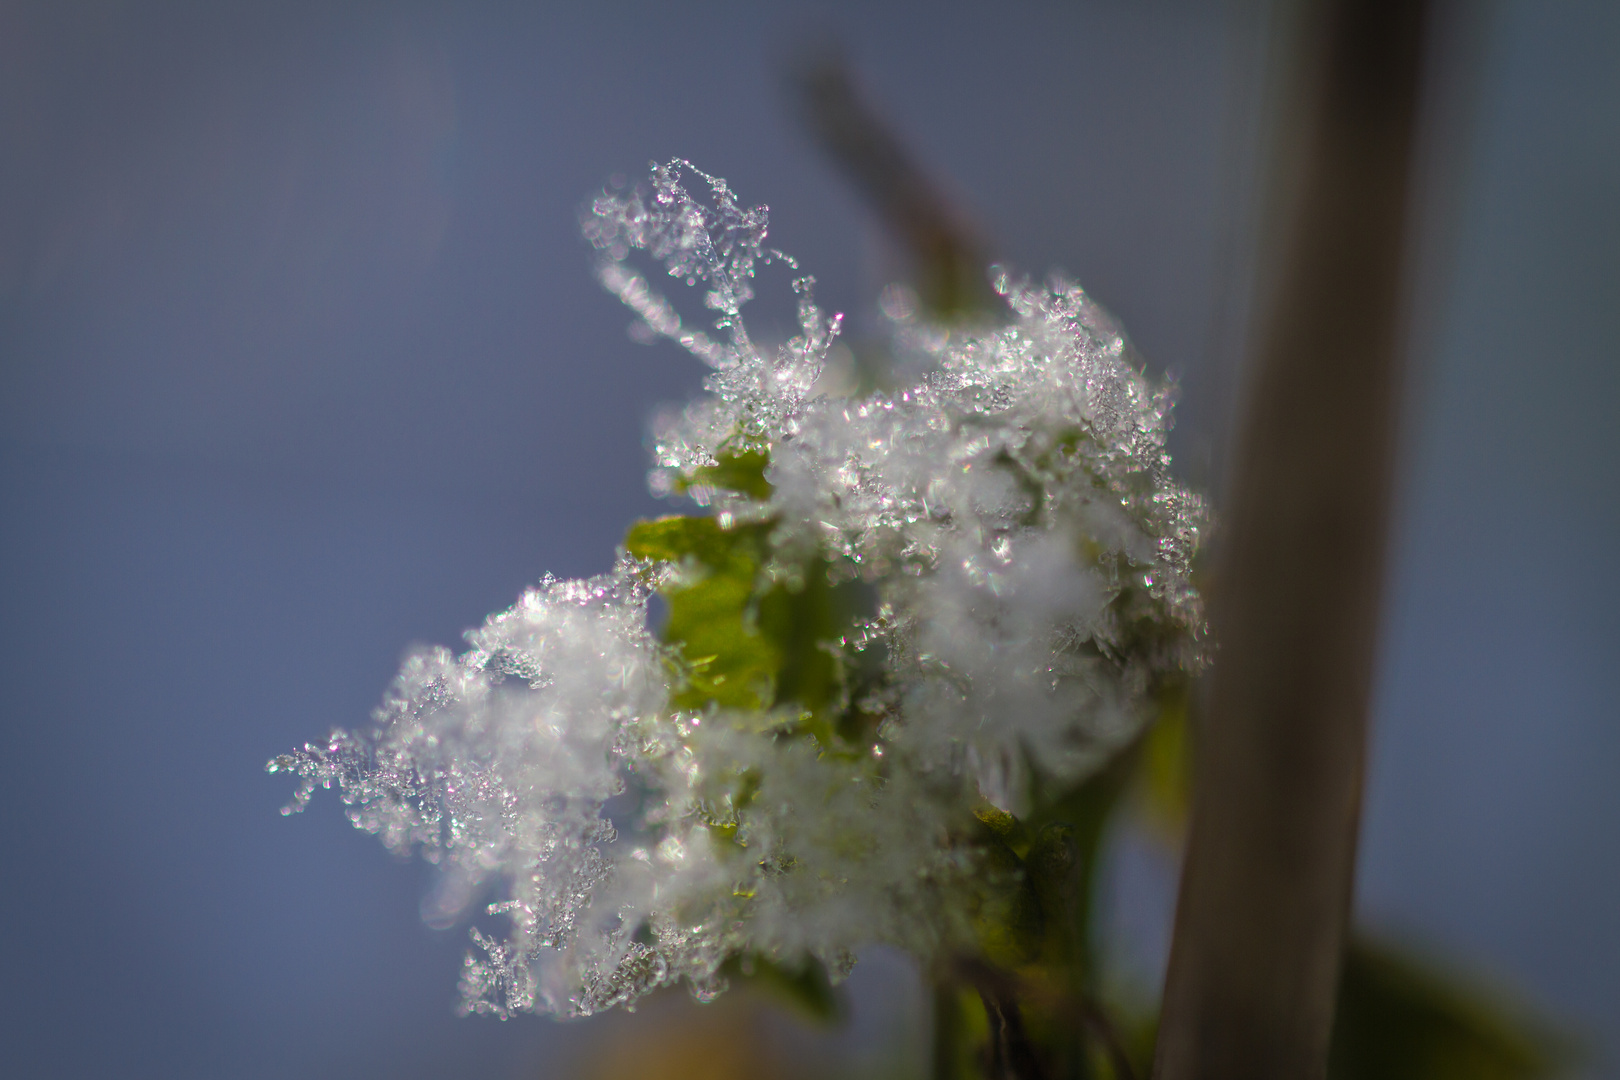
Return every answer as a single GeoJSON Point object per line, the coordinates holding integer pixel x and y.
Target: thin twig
{"type": "Point", "coordinates": [948, 254]}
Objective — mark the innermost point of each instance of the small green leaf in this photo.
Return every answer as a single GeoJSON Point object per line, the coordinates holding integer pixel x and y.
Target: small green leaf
{"type": "Point", "coordinates": [1007, 828]}
{"type": "Point", "coordinates": [742, 471]}
{"type": "Point", "coordinates": [727, 662]}
{"type": "Point", "coordinates": [749, 643]}
{"type": "Point", "coordinates": [1009, 920]}
{"type": "Point", "coordinates": [681, 538]}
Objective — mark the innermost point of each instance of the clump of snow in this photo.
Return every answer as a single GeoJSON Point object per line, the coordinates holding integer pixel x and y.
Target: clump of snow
{"type": "Point", "coordinates": [1010, 511]}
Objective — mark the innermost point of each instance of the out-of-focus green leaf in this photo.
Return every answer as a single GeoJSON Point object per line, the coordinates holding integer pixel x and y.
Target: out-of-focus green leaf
{"type": "Point", "coordinates": [1041, 873]}
{"type": "Point", "coordinates": [1166, 765]}
{"type": "Point", "coordinates": [803, 985]}
{"type": "Point", "coordinates": [1069, 825]}
{"type": "Point", "coordinates": [1399, 1018]}
{"type": "Point", "coordinates": [1009, 920]}
{"type": "Point", "coordinates": [1007, 828]}
{"type": "Point", "coordinates": [961, 1030]}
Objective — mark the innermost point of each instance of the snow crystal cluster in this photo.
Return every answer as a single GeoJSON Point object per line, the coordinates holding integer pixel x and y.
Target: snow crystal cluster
{"type": "Point", "coordinates": [1024, 551]}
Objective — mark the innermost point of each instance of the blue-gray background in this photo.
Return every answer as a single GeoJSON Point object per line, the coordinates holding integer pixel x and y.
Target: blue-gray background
{"type": "Point", "coordinates": [300, 362]}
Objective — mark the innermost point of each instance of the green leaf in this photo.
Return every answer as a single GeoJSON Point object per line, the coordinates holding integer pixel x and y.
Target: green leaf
{"type": "Point", "coordinates": [1399, 1017]}
{"type": "Point", "coordinates": [742, 471]}
{"type": "Point", "coordinates": [683, 538]}
{"type": "Point", "coordinates": [748, 643]}
{"type": "Point", "coordinates": [804, 620]}
{"type": "Point", "coordinates": [726, 660]}
{"type": "Point", "coordinates": [1068, 825]}
{"type": "Point", "coordinates": [1007, 828]}
{"type": "Point", "coordinates": [1166, 771]}
{"type": "Point", "coordinates": [1008, 919]}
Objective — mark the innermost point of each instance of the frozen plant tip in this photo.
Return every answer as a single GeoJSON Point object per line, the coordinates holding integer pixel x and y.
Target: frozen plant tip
{"type": "Point", "coordinates": [902, 621]}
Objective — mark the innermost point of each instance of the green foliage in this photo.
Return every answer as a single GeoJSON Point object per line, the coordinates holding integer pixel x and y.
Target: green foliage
{"type": "Point", "coordinates": [803, 621]}
{"type": "Point", "coordinates": [1010, 920]}
{"type": "Point", "coordinates": [725, 660]}
{"type": "Point", "coordinates": [748, 640]}
{"type": "Point", "coordinates": [1034, 919]}
{"type": "Point", "coordinates": [753, 635]}
{"type": "Point", "coordinates": [961, 1030]}
{"type": "Point", "coordinates": [1165, 778]}
{"type": "Point", "coordinates": [1397, 1017]}
{"type": "Point", "coordinates": [742, 471]}
{"type": "Point", "coordinates": [1400, 1018]}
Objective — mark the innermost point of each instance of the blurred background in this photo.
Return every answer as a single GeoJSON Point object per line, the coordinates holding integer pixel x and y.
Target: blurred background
{"type": "Point", "coordinates": [301, 362]}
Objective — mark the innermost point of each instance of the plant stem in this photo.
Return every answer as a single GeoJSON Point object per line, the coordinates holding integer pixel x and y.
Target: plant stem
{"type": "Point", "coordinates": [949, 257]}
{"type": "Point", "coordinates": [1279, 754]}
{"type": "Point", "coordinates": [947, 1048]}
{"type": "Point", "coordinates": [1012, 1055]}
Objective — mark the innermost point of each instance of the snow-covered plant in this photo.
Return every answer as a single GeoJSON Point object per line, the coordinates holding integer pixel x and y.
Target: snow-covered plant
{"type": "Point", "coordinates": [902, 627]}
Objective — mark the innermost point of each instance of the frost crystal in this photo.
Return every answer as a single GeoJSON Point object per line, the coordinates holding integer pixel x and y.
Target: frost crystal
{"type": "Point", "coordinates": [908, 608]}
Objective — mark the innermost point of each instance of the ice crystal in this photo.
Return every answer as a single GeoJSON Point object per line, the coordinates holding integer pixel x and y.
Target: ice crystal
{"type": "Point", "coordinates": [907, 607]}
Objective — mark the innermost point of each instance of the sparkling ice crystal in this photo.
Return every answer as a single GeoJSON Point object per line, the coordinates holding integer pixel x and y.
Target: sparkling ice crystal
{"type": "Point", "coordinates": [1023, 551]}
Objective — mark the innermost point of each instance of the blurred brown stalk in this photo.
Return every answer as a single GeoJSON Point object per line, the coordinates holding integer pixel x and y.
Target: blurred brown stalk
{"type": "Point", "coordinates": [1279, 750]}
